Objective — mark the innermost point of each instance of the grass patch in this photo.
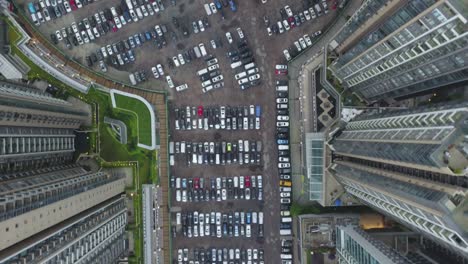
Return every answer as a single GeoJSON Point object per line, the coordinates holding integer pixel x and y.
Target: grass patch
{"type": "Point", "coordinates": [143, 116]}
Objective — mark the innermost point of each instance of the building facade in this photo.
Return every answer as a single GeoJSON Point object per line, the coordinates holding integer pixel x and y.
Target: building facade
{"type": "Point", "coordinates": [36, 129]}
{"type": "Point", "coordinates": [410, 165]}
{"type": "Point", "coordinates": [394, 48]}
{"type": "Point", "coordinates": [353, 245]}
{"type": "Point", "coordinates": [96, 235]}
{"type": "Point", "coordinates": [53, 210]}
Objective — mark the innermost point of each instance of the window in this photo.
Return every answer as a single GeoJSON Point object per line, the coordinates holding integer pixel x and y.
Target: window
{"type": "Point", "coordinates": [7, 229]}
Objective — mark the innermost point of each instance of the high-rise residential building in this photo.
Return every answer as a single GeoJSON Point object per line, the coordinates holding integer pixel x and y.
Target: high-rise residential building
{"type": "Point", "coordinates": [394, 48]}
{"type": "Point", "coordinates": [36, 129]}
{"type": "Point", "coordinates": [45, 198]}
{"type": "Point", "coordinates": [353, 245]}
{"type": "Point", "coordinates": [96, 235]}
{"type": "Point", "coordinates": [410, 165]}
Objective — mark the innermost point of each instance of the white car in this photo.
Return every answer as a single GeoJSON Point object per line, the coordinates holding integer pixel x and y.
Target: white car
{"type": "Point", "coordinates": [224, 194]}
{"type": "Point", "coordinates": [298, 46]}
{"type": "Point", "coordinates": [213, 44]}
{"type": "Point", "coordinates": [259, 181]}
{"type": "Point", "coordinates": [288, 11]}
{"type": "Point", "coordinates": [181, 59]}
{"type": "Point", "coordinates": [178, 196]}
{"type": "Point", "coordinates": [169, 81]}
{"type": "Point", "coordinates": [117, 22]}
{"type": "Point", "coordinates": [281, 100]}
{"type": "Point", "coordinates": [155, 72]}
{"type": "Point", "coordinates": [307, 14]}
{"type": "Point", "coordinates": [158, 30]}
{"type": "Point", "coordinates": [248, 231]}
{"type": "Point", "coordinates": [282, 118]}
{"type": "Point", "coordinates": [280, 27]}
{"type": "Point", "coordinates": [281, 67]}
{"type": "Point", "coordinates": [143, 9]}
{"type": "Point", "coordinates": [283, 165]}
{"type": "Point", "coordinates": [286, 25]}
{"type": "Point", "coordinates": [229, 37]}
{"type": "Point", "coordinates": [217, 78]}
{"type": "Point", "coordinates": [155, 6]}
{"type": "Point", "coordinates": [285, 194]}
{"type": "Point", "coordinates": [307, 40]}
{"type": "Point", "coordinates": [269, 31]}
{"type": "Point", "coordinates": [282, 124]}
{"type": "Point", "coordinates": [302, 42]}
{"type": "Point", "coordinates": [160, 69]}
{"type": "Point", "coordinates": [200, 25]}
{"type": "Point", "coordinates": [287, 55]}
{"type": "Point", "coordinates": [213, 8]}
{"type": "Point", "coordinates": [242, 81]}
{"type": "Point", "coordinates": [239, 31]}
{"type": "Point", "coordinates": [58, 34]}
{"type": "Point", "coordinates": [176, 61]}
{"type": "Point", "coordinates": [150, 9]}
{"type": "Point", "coordinates": [254, 77]}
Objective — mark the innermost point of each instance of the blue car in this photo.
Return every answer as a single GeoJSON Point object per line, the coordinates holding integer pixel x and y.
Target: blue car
{"type": "Point", "coordinates": [282, 141]}
{"type": "Point", "coordinates": [148, 35]}
{"type": "Point", "coordinates": [258, 111]}
{"type": "Point", "coordinates": [232, 5]}
{"type": "Point", "coordinates": [218, 4]}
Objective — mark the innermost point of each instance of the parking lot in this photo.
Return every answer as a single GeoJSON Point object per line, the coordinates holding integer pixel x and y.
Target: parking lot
{"type": "Point", "coordinates": [266, 51]}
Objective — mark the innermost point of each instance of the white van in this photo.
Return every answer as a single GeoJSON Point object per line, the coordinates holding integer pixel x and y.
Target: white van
{"type": "Point", "coordinates": [171, 160]}
{"type": "Point", "coordinates": [202, 71]}
{"type": "Point", "coordinates": [171, 147]}
{"type": "Point", "coordinates": [182, 87]}
{"type": "Point", "coordinates": [207, 89]}
{"type": "Point", "coordinates": [286, 256]}
{"type": "Point", "coordinates": [246, 146]}
{"type": "Point", "coordinates": [285, 189]}
{"type": "Point", "coordinates": [286, 219]}
{"type": "Point", "coordinates": [202, 49]}
{"type": "Point", "coordinates": [206, 83]}
{"type": "Point", "coordinates": [283, 88]}
{"type": "Point", "coordinates": [34, 19]}
{"type": "Point", "coordinates": [283, 147]}
{"type": "Point", "coordinates": [250, 65]}
{"type": "Point", "coordinates": [236, 182]}
{"type": "Point", "coordinates": [260, 218]}
{"type": "Point", "coordinates": [177, 183]}
{"type": "Point", "coordinates": [236, 64]}
{"type": "Point", "coordinates": [285, 232]}
{"type": "Point", "coordinates": [208, 9]}
{"type": "Point", "coordinates": [319, 10]}
{"type": "Point", "coordinates": [182, 147]}
{"type": "Point", "coordinates": [217, 159]}
{"type": "Point", "coordinates": [197, 51]}
{"type": "Point", "coordinates": [178, 218]}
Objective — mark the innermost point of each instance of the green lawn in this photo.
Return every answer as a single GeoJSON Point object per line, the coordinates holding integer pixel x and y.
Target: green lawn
{"type": "Point", "coordinates": [143, 116]}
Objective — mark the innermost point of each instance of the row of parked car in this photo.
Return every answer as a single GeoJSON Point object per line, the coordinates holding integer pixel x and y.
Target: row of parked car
{"type": "Point", "coordinates": [217, 224]}
{"type": "Point", "coordinates": [299, 45]}
{"type": "Point", "coordinates": [220, 189]}
{"type": "Point", "coordinates": [46, 10]}
{"type": "Point", "coordinates": [221, 153]}
{"type": "Point", "coordinates": [218, 117]}
{"type": "Point", "coordinates": [284, 162]}
{"type": "Point", "coordinates": [211, 76]}
{"type": "Point", "coordinates": [220, 255]}
{"type": "Point", "coordinates": [289, 20]}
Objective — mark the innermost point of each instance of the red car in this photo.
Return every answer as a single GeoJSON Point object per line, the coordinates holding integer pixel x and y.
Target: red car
{"type": "Point", "coordinates": [247, 181]}
{"type": "Point", "coordinates": [281, 72]}
{"type": "Point", "coordinates": [200, 111]}
{"type": "Point", "coordinates": [292, 22]}
{"type": "Point", "coordinates": [196, 183]}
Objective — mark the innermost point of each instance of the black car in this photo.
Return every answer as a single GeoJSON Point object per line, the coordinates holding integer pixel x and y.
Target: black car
{"type": "Point", "coordinates": [282, 94]}
{"type": "Point", "coordinates": [175, 22]}
{"type": "Point", "coordinates": [283, 14]}
{"type": "Point", "coordinates": [54, 39]}
{"type": "Point", "coordinates": [282, 112]}
{"type": "Point", "coordinates": [282, 129]}
{"type": "Point", "coordinates": [282, 135]}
